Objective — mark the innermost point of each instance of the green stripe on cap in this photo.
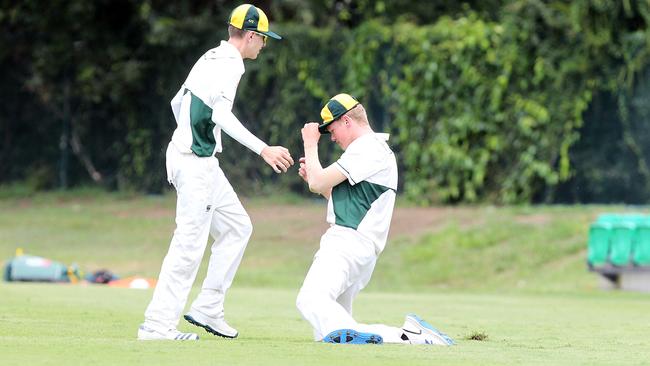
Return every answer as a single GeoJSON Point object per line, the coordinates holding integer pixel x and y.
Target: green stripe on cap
{"type": "Point", "coordinates": [335, 108]}
{"type": "Point", "coordinates": [252, 19]}
{"type": "Point", "coordinates": [346, 100]}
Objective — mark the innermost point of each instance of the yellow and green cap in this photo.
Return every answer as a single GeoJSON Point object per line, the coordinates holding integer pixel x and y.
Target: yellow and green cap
{"type": "Point", "coordinates": [251, 18]}
{"type": "Point", "coordinates": [337, 106]}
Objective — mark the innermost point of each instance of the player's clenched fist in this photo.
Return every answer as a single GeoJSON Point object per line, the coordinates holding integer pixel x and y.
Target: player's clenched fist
{"type": "Point", "coordinates": [310, 134]}
{"type": "Point", "coordinates": [277, 157]}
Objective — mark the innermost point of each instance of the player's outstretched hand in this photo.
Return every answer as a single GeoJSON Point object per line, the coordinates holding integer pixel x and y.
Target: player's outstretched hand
{"type": "Point", "coordinates": [302, 171]}
{"type": "Point", "coordinates": [278, 158]}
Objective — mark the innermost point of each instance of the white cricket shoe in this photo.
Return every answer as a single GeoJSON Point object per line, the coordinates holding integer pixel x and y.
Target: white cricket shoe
{"type": "Point", "coordinates": [218, 327]}
{"type": "Point", "coordinates": [149, 334]}
{"type": "Point", "coordinates": [417, 331]}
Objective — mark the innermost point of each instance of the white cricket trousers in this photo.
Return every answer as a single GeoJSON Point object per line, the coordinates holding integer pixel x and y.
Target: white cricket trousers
{"type": "Point", "coordinates": [206, 206]}
{"type": "Point", "coordinates": [341, 268]}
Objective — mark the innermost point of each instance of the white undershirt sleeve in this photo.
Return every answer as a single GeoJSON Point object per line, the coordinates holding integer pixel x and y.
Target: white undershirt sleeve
{"type": "Point", "coordinates": [224, 118]}
{"type": "Point", "coordinates": [176, 103]}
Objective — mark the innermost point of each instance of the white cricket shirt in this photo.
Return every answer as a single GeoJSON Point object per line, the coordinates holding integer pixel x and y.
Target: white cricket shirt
{"type": "Point", "coordinates": [203, 105]}
{"type": "Point", "coordinates": [365, 200]}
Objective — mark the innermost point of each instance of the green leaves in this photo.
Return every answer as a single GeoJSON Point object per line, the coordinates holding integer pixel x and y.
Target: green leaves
{"type": "Point", "coordinates": [484, 100]}
{"type": "Point", "coordinates": [488, 110]}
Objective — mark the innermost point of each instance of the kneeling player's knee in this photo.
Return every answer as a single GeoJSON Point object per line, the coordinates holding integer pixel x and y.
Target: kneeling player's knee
{"type": "Point", "coordinates": [304, 302]}
{"type": "Point", "coordinates": [308, 301]}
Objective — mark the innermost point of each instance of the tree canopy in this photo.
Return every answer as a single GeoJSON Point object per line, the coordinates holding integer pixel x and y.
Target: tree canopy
{"type": "Point", "coordinates": [499, 101]}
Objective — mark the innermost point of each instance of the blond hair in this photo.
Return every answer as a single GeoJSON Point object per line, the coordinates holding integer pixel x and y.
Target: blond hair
{"type": "Point", "coordinates": [358, 114]}
{"type": "Point", "coordinates": [235, 32]}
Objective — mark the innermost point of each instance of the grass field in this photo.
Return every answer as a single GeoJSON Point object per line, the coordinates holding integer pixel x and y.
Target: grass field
{"type": "Point", "coordinates": [515, 275]}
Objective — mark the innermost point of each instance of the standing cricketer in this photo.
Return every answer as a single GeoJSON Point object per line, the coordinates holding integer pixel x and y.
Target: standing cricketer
{"type": "Point", "coordinates": [360, 187]}
{"type": "Point", "coordinates": [207, 205]}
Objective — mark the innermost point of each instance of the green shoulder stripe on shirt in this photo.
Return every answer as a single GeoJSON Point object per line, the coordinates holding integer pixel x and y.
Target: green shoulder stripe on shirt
{"type": "Point", "coordinates": [203, 142]}
{"type": "Point", "coordinates": [352, 202]}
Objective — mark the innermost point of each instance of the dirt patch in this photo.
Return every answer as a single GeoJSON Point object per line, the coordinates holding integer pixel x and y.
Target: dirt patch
{"type": "Point", "coordinates": [146, 213]}
{"type": "Point", "coordinates": [295, 221]}
{"type": "Point", "coordinates": [309, 221]}
{"type": "Point", "coordinates": [533, 219]}
{"type": "Point", "coordinates": [414, 221]}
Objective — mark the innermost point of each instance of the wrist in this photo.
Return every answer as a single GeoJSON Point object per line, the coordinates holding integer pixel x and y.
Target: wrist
{"type": "Point", "coordinates": [262, 149]}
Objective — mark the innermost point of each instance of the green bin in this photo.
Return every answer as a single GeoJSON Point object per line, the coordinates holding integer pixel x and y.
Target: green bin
{"type": "Point", "coordinates": [599, 239]}
{"type": "Point", "coordinates": [641, 250]}
{"type": "Point", "coordinates": [623, 238]}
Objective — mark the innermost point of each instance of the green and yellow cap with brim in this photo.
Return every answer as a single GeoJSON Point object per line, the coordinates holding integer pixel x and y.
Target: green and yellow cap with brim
{"type": "Point", "coordinates": [336, 107]}
{"type": "Point", "coordinates": [251, 18]}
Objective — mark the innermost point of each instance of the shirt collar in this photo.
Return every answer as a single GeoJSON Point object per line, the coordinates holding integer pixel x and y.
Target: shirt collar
{"type": "Point", "coordinates": [382, 136]}
{"type": "Point", "coordinates": [230, 50]}
{"type": "Point", "coordinates": [375, 135]}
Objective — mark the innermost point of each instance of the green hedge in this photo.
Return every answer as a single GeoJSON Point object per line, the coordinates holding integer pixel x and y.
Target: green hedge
{"type": "Point", "coordinates": [480, 108]}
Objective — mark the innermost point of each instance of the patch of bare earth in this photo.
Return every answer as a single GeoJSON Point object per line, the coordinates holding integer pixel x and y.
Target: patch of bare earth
{"type": "Point", "coordinates": [407, 221]}
{"type": "Point", "coordinates": [298, 221]}
{"type": "Point", "coordinates": [415, 221]}
{"type": "Point", "coordinates": [540, 219]}
{"type": "Point", "coordinates": [309, 221]}
{"type": "Point", "coordinates": [146, 213]}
